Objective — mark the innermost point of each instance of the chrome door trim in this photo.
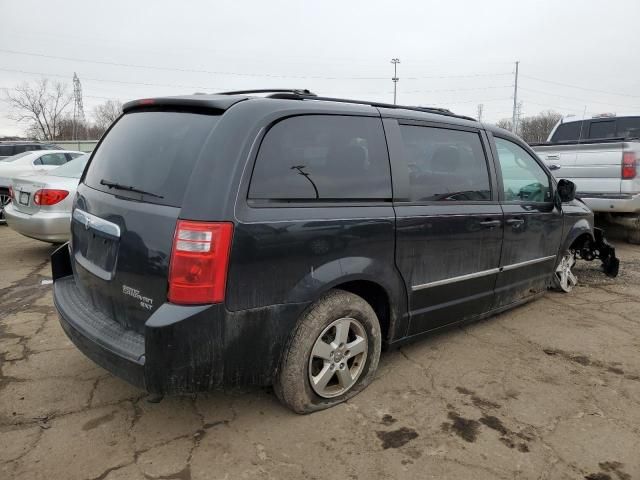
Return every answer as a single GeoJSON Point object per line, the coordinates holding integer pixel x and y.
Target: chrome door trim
{"type": "Point", "coordinates": [461, 278]}
{"type": "Point", "coordinates": [513, 266]}
{"type": "Point", "coordinates": [482, 273]}
{"type": "Point", "coordinates": [96, 223]}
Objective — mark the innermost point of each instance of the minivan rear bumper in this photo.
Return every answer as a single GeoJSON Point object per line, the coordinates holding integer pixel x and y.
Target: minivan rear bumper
{"type": "Point", "coordinates": [184, 348]}
{"type": "Point", "coordinates": [623, 202]}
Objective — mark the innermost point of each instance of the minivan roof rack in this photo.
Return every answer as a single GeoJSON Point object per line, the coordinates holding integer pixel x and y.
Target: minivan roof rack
{"type": "Point", "coordinates": [304, 94]}
{"type": "Point", "coordinates": [296, 91]}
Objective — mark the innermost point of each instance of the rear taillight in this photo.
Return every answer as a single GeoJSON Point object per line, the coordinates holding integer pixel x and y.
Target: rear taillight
{"type": "Point", "coordinates": [12, 195]}
{"type": "Point", "coordinates": [199, 261]}
{"type": "Point", "coordinates": [48, 196]}
{"type": "Point", "coordinates": [629, 165]}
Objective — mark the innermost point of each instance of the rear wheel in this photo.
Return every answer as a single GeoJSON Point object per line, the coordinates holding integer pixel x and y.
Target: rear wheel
{"type": "Point", "coordinates": [333, 354]}
{"type": "Point", "coordinates": [4, 201]}
{"type": "Point", "coordinates": [563, 278]}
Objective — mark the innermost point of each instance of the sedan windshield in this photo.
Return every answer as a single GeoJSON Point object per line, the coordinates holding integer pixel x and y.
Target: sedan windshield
{"type": "Point", "coordinates": [73, 168]}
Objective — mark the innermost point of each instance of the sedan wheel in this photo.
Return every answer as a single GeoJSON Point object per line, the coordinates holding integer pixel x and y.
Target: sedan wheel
{"type": "Point", "coordinates": [563, 278]}
{"type": "Point", "coordinates": [338, 357]}
{"type": "Point", "coordinates": [4, 201]}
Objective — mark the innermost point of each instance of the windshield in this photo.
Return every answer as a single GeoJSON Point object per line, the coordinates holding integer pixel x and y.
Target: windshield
{"type": "Point", "coordinates": [16, 157]}
{"type": "Point", "coordinates": [72, 169]}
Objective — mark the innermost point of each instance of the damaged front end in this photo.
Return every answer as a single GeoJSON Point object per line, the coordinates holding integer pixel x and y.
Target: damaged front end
{"type": "Point", "coordinates": [600, 248]}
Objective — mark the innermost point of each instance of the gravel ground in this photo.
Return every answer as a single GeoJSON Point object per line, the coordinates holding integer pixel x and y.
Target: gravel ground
{"type": "Point", "coordinates": [548, 390]}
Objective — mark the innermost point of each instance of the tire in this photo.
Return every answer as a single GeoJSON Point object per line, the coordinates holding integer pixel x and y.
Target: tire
{"type": "Point", "coordinates": [317, 332]}
{"type": "Point", "coordinates": [563, 278]}
{"type": "Point", "coordinates": [4, 201]}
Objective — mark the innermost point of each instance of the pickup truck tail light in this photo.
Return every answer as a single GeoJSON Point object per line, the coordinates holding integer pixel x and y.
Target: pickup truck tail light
{"type": "Point", "coordinates": [629, 165]}
{"type": "Point", "coordinates": [47, 196]}
{"type": "Point", "coordinates": [199, 261]}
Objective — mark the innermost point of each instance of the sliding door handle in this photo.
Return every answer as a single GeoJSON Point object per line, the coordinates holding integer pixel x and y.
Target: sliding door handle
{"type": "Point", "coordinates": [515, 222]}
{"type": "Point", "coordinates": [491, 223]}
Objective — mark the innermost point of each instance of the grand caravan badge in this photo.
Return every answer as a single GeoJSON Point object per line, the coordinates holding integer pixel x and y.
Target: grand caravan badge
{"type": "Point", "coordinates": [145, 302]}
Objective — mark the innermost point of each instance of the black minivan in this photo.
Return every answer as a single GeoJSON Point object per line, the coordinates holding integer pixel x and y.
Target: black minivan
{"type": "Point", "coordinates": [285, 239]}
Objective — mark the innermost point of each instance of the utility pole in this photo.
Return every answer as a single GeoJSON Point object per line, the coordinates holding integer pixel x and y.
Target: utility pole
{"type": "Point", "coordinates": [515, 101]}
{"type": "Point", "coordinates": [480, 108]}
{"type": "Point", "coordinates": [395, 79]}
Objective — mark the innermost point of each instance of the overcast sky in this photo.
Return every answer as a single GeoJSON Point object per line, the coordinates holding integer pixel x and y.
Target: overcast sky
{"type": "Point", "coordinates": [455, 54]}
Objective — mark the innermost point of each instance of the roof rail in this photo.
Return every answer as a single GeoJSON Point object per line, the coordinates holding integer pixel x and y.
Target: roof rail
{"type": "Point", "coordinates": [295, 91]}
{"type": "Point", "coordinates": [300, 95]}
{"type": "Point", "coordinates": [304, 94]}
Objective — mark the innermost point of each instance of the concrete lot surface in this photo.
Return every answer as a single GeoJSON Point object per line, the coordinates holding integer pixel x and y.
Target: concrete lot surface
{"type": "Point", "coordinates": [550, 390]}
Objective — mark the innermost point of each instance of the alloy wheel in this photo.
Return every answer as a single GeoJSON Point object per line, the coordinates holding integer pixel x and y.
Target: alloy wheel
{"type": "Point", "coordinates": [565, 279]}
{"type": "Point", "coordinates": [4, 201]}
{"type": "Point", "coordinates": [338, 357]}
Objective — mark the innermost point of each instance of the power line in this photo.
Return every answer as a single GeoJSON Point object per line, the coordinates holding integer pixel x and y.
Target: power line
{"type": "Point", "coordinates": [581, 100]}
{"type": "Point", "coordinates": [239, 74]}
{"type": "Point", "coordinates": [122, 82]}
{"type": "Point", "coordinates": [579, 87]}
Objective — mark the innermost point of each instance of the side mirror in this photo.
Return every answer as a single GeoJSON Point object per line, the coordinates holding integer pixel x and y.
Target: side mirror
{"type": "Point", "coordinates": [566, 190]}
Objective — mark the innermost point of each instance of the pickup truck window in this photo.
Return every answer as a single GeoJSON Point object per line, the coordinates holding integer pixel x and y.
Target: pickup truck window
{"type": "Point", "coordinates": [602, 129]}
{"type": "Point", "coordinates": [629, 127]}
{"type": "Point", "coordinates": [567, 132]}
{"type": "Point", "coordinates": [523, 178]}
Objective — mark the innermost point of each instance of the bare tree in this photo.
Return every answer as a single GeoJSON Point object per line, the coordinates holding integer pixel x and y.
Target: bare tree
{"type": "Point", "coordinates": [534, 129]}
{"type": "Point", "coordinates": [42, 104]}
{"type": "Point", "coordinates": [107, 113]}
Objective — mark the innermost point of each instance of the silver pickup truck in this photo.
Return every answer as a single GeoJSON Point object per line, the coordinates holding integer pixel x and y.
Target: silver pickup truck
{"type": "Point", "coordinates": [600, 155]}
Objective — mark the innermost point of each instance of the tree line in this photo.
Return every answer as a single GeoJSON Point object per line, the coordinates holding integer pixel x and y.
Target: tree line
{"type": "Point", "coordinates": [46, 108]}
{"type": "Point", "coordinates": [533, 129]}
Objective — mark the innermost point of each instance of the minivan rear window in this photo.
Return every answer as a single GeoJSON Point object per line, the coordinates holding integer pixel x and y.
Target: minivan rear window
{"type": "Point", "coordinates": [322, 157]}
{"type": "Point", "coordinates": [151, 151]}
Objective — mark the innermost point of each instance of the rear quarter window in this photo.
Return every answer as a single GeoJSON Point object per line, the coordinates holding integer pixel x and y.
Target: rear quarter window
{"type": "Point", "coordinates": [322, 157]}
{"type": "Point", "coordinates": [151, 151]}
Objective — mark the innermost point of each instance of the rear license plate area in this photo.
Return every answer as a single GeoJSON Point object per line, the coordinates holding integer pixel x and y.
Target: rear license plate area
{"type": "Point", "coordinates": [23, 198]}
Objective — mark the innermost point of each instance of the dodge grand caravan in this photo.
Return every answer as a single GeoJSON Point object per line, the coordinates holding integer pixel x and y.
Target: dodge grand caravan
{"type": "Point", "coordinates": [284, 240]}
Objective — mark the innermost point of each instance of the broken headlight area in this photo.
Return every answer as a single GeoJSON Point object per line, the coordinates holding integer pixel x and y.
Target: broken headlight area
{"type": "Point", "coordinates": [600, 248]}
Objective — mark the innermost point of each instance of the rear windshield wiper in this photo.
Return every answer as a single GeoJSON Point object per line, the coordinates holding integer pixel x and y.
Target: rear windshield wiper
{"type": "Point", "coordinates": [128, 188]}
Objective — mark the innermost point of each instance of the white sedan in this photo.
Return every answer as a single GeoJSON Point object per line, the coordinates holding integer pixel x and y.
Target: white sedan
{"type": "Point", "coordinates": [29, 163]}
{"type": "Point", "coordinates": [40, 206]}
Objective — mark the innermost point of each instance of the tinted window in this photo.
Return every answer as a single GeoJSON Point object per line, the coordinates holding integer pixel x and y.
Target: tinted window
{"type": "Point", "coordinates": [445, 164]}
{"type": "Point", "coordinates": [568, 132]}
{"type": "Point", "coordinates": [52, 159]}
{"type": "Point", "coordinates": [72, 169]}
{"type": "Point", "coordinates": [151, 151]}
{"type": "Point", "coordinates": [606, 129]}
{"type": "Point", "coordinates": [322, 157]}
{"type": "Point", "coordinates": [6, 150]}
{"type": "Point", "coordinates": [628, 127]}
{"type": "Point", "coordinates": [522, 177]}
{"type": "Point", "coordinates": [23, 148]}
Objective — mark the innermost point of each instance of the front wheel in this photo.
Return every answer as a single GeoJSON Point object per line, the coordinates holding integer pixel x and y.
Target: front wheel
{"type": "Point", "coordinates": [563, 278]}
{"type": "Point", "coordinates": [333, 354]}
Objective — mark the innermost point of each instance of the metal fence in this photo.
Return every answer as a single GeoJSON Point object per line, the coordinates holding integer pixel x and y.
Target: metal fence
{"type": "Point", "coordinates": [79, 145]}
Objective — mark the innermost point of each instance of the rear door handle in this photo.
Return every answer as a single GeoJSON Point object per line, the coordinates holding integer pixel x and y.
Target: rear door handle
{"type": "Point", "coordinates": [554, 166]}
{"type": "Point", "coordinates": [491, 223]}
{"type": "Point", "coordinates": [515, 221]}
